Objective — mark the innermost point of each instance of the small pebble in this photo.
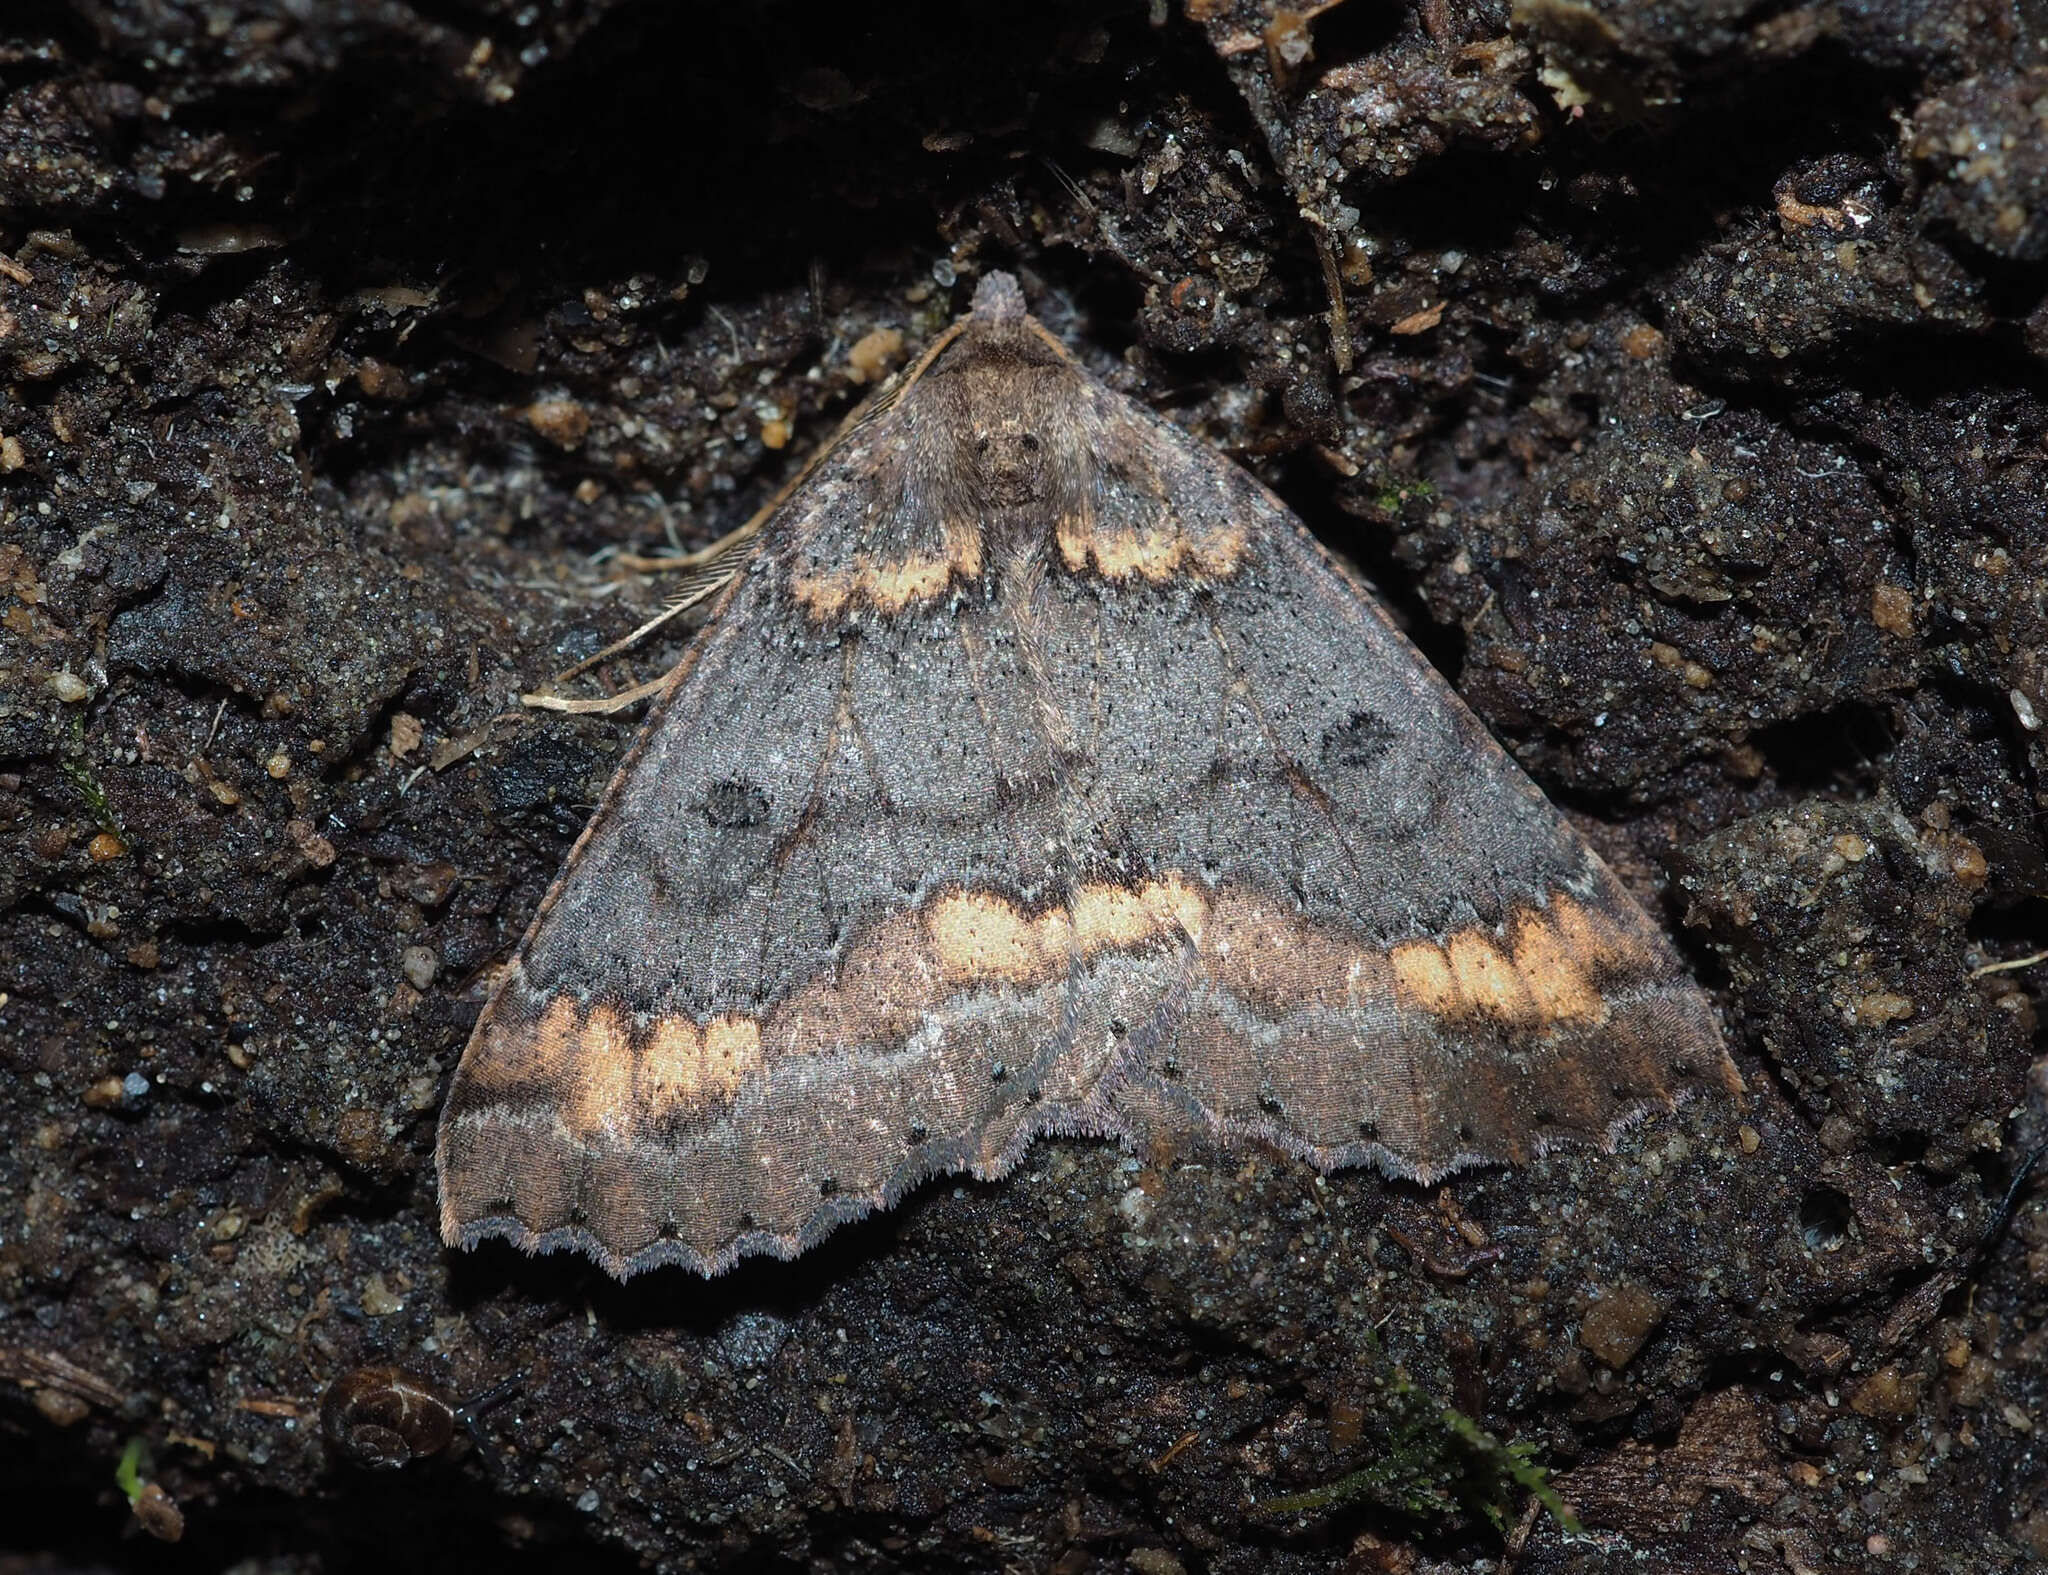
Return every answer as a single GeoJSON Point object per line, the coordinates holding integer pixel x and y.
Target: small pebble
{"type": "Point", "coordinates": [1615, 1327]}
{"type": "Point", "coordinates": [379, 1300]}
{"type": "Point", "coordinates": [314, 848]}
{"type": "Point", "coordinates": [68, 687]}
{"type": "Point", "coordinates": [563, 422]}
{"type": "Point", "coordinates": [106, 1093]}
{"type": "Point", "coordinates": [419, 965]}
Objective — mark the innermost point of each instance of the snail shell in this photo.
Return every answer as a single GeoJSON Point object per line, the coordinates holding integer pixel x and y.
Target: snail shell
{"type": "Point", "coordinates": [383, 1417]}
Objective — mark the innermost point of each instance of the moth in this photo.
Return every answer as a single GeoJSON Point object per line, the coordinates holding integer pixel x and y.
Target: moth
{"type": "Point", "coordinates": [1040, 773]}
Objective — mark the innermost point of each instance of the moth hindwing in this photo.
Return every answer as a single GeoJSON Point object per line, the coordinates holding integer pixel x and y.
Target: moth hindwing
{"type": "Point", "coordinates": [1042, 774]}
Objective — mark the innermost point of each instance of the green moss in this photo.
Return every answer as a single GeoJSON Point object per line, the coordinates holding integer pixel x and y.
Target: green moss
{"type": "Point", "coordinates": [1432, 1461]}
{"type": "Point", "coordinates": [86, 782]}
{"type": "Point", "coordinates": [1393, 495]}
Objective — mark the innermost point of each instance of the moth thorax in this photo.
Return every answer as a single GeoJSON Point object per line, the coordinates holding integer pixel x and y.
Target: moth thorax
{"type": "Point", "coordinates": [1010, 463]}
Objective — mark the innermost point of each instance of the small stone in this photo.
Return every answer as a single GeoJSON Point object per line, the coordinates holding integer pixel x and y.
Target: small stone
{"type": "Point", "coordinates": [873, 354]}
{"type": "Point", "coordinates": [419, 965]}
{"type": "Point", "coordinates": [1966, 861]}
{"type": "Point", "coordinates": [433, 885]}
{"type": "Point", "coordinates": [561, 421]}
{"type": "Point", "coordinates": [135, 1085]}
{"type": "Point", "coordinates": [1888, 1392]}
{"type": "Point", "coordinates": [105, 848]}
{"type": "Point", "coordinates": [750, 1340]}
{"type": "Point", "coordinates": [1154, 1561]}
{"type": "Point", "coordinates": [158, 1513]}
{"type": "Point", "coordinates": [68, 687]}
{"type": "Point", "coordinates": [315, 849]}
{"type": "Point", "coordinates": [406, 732]}
{"type": "Point", "coordinates": [382, 380]}
{"type": "Point", "coordinates": [105, 1094]}
{"type": "Point", "coordinates": [143, 955]}
{"type": "Point", "coordinates": [61, 1408]}
{"type": "Point", "coordinates": [1876, 1008]}
{"type": "Point", "coordinates": [1642, 342]}
{"type": "Point", "coordinates": [279, 766]}
{"type": "Point", "coordinates": [776, 432]}
{"type": "Point", "coordinates": [378, 1299]}
{"type": "Point", "coordinates": [359, 1137]}
{"type": "Point", "coordinates": [1615, 1327]}
{"type": "Point", "coordinates": [1891, 609]}
{"type": "Point", "coordinates": [1750, 1139]}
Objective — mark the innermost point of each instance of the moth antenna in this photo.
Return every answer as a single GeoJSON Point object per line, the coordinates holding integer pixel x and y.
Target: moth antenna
{"type": "Point", "coordinates": [709, 578]}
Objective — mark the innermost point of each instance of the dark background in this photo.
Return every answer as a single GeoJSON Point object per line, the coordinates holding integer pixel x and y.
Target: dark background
{"type": "Point", "coordinates": [1686, 402]}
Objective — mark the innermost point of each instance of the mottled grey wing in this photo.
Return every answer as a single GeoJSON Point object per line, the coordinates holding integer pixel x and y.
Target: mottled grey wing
{"type": "Point", "coordinates": [1405, 955]}
{"type": "Point", "coordinates": [759, 1001]}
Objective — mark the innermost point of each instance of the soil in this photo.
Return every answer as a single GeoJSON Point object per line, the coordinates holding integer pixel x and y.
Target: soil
{"type": "Point", "coordinates": [1679, 373]}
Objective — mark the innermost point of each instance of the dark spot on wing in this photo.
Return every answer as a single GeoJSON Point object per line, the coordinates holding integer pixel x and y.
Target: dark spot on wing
{"type": "Point", "coordinates": [1362, 741]}
{"type": "Point", "coordinates": [737, 802]}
